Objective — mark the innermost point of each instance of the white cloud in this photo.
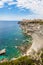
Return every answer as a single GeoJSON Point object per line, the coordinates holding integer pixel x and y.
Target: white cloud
{"type": "Point", "coordinates": [9, 2]}
{"type": "Point", "coordinates": [1, 4]}
{"type": "Point", "coordinates": [35, 5]}
{"type": "Point", "coordinates": [10, 18]}
{"type": "Point", "coordinates": [18, 17]}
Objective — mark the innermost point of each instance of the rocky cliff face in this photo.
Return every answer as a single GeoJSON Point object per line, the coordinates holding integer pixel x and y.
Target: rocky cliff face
{"type": "Point", "coordinates": [35, 29]}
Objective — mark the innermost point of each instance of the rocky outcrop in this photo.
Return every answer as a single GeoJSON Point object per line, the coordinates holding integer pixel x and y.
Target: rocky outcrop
{"type": "Point", "coordinates": [3, 51]}
{"type": "Point", "coordinates": [23, 48]}
{"type": "Point", "coordinates": [35, 29]}
{"type": "Point", "coordinates": [4, 60]}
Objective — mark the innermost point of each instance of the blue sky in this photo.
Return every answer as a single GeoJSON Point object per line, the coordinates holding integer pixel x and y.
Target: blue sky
{"type": "Point", "coordinates": [21, 9]}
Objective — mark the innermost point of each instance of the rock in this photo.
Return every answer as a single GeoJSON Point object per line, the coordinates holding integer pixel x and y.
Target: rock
{"type": "Point", "coordinates": [3, 51]}
{"type": "Point", "coordinates": [3, 60]}
{"type": "Point", "coordinates": [35, 29]}
{"type": "Point", "coordinates": [13, 59]}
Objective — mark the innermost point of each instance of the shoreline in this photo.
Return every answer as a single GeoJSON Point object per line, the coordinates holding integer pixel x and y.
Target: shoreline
{"type": "Point", "coordinates": [35, 29]}
{"type": "Point", "coordinates": [37, 42]}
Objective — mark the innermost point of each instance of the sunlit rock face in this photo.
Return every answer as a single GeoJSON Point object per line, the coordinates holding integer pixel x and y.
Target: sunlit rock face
{"type": "Point", "coordinates": [35, 29]}
{"type": "Point", "coordinates": [37, 38]}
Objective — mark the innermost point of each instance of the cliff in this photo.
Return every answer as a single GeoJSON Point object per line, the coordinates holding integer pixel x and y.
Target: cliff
{"type": "Point", "coordinates": [36, 59]}
{"type": "Point", "coordinates": [34, 54]}
{"type": "Point", "coordinates": [35, 29]}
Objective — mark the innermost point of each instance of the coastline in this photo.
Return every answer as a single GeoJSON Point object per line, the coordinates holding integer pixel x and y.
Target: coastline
{"type": "Point", "coordinates": [35, 29]}
{"type": "Point", "coordinates": [34, 49]}
{"type": "Point", "coordinates": [17, 39]}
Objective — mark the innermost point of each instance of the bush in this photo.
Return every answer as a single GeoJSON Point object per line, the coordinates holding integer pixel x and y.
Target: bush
{"type": "Point", "coordinates": [20, 61]}
{"type": "Point", "coordinates": [26, 60]}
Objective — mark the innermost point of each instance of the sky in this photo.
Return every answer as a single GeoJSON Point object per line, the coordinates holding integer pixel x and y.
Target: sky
{"type": "Point", "coordinates": [21, 9]}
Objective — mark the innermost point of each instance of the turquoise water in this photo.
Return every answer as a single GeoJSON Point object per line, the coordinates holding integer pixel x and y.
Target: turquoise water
{"type": "Point", "coordinates": [11, 35]}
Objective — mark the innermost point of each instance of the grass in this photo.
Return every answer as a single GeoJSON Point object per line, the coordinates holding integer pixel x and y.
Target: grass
{"type": "Point", "coordinates": [20, 61]}
{"type": "Point", "coordinates": [25, 60]}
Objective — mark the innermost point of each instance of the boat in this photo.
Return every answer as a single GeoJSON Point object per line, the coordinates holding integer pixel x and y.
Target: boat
{"type": "Point", "coordinates": [3, 51]}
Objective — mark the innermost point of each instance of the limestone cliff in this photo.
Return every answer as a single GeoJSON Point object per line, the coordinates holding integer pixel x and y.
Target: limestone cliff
{"type": "Point", "coordinates": [35, 29]}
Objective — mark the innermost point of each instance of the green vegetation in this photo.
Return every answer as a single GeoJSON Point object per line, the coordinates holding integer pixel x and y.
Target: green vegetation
{"type": "Point", "coordinates": [32, 59]}
{"type": "Point", "coordinates": [34, 21]}
{"type": "Point", "coordinates": [37, 59]}
{"type": "Point", "coordinates": [21, 61]}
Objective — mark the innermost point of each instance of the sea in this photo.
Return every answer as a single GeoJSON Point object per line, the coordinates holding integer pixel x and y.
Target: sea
{"type": "Point", "coordinates": [11, 35]}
